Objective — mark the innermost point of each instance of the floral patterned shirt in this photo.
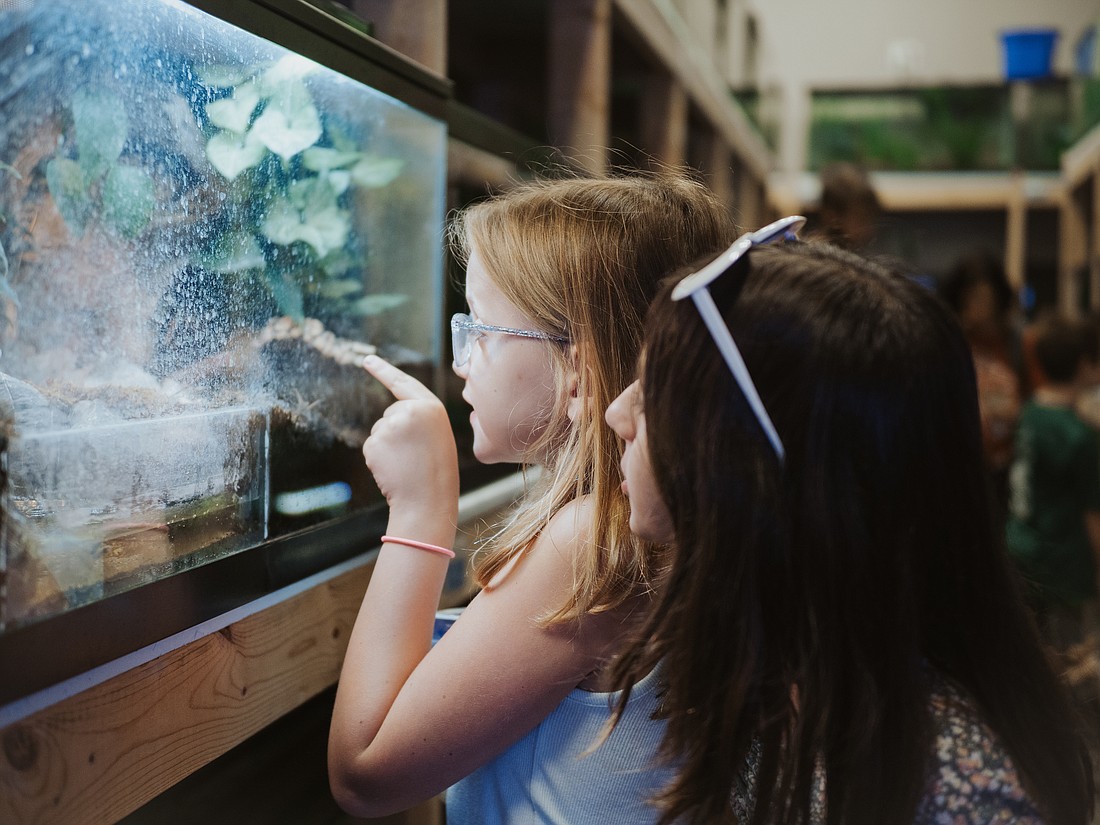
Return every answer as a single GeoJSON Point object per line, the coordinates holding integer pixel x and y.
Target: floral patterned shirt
{"type": "Point", "coordinates": [971, 779]}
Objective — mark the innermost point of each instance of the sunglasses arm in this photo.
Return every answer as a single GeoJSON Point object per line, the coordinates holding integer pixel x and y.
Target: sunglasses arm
{"type": "Point", "coordinates": [722, 338]}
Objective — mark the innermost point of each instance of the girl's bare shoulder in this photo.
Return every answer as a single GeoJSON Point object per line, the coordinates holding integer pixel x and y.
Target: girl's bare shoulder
{"type": "Point", "coordinates": [553, 552]}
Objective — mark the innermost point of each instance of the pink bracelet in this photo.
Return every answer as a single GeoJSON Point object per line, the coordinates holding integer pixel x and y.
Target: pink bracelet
{"type": "Point", "coordinates": [419, 545]}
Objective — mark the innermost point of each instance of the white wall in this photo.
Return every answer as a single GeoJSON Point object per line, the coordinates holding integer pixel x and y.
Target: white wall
{"type": "Point", "coordinates": [862, 42]}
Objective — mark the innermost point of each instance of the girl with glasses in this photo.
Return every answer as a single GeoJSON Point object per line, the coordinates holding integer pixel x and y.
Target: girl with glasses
{"type": "Point", "coordinates": [841, 636]}
{"type": "Point", "coordinates": [511, 702]}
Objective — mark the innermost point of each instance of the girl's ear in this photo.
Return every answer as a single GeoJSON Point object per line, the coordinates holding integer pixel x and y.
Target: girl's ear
{"type": "Point", "coordinates": [573, 385]}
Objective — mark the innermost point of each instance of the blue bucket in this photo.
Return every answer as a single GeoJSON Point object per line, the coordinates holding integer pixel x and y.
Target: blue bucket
{"type": "Point", "coordinates": [1028, 53]}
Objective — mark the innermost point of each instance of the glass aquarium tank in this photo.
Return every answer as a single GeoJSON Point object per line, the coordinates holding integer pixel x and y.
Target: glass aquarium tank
{"type": "Point", "coordinates": [987, 128]}
{"type": "Point", "coordinates": [202, 234]}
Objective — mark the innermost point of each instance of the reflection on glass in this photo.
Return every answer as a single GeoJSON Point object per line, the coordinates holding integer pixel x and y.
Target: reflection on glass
{"type": "Point", "coordinates": [201, 236]}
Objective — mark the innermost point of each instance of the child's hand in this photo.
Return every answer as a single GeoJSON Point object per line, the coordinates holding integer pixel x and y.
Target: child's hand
{"type": "Point", "coordinates": [411, 449]}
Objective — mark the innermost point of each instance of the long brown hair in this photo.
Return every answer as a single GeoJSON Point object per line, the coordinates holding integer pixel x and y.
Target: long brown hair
{"type": "Point", "coordinates": [811, 602]}
{"type": "Point", "coordinates": [583, 257]}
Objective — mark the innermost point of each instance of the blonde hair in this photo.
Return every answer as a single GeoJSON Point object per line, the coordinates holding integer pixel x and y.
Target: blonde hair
{"type": "Point", "coordinates": [582, 257]}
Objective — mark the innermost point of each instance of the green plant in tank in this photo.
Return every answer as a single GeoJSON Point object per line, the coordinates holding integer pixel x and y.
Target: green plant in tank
{"type": "Point", "coordinates": [96, 183]}
{"type": "Point", "coordinates": [7, 292]}
{"type": "Point", "coordinates": [1088, 91]}
{"type": "Point", "coordinates": [963, 122]}
{"type": "Point", "coordinates": [291, 180]}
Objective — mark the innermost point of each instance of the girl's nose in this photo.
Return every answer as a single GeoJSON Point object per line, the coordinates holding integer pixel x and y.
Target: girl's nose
{"type": "Point", "coordinates": [618, 414]}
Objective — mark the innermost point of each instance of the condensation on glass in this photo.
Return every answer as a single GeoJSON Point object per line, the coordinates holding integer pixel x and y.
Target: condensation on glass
{"type": "Point", "coordinates": [202, 234]}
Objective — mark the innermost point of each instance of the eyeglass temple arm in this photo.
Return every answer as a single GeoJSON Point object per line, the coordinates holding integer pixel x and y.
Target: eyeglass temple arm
{"type": "Point", "coordinates": [722, 338]}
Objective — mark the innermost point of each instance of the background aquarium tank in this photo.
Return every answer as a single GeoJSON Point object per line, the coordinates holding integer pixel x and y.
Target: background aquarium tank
{"type": "Point", "coordinates": [202, 234]}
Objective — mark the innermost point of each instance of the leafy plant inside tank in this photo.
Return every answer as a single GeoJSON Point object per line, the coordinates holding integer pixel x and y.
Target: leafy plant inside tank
{"type": "Point", "coordinates": [943, 127]}
{"type": "Point", "coordinates": [290, 182]}
{"type": "Point", "coordinates": [94, 182]}
{"type": "Point", "coordinates": [7, 294]}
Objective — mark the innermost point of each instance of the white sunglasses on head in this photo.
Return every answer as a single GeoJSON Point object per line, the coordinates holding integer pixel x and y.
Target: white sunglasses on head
{"type": "Point", "coordinates": [696, 285]}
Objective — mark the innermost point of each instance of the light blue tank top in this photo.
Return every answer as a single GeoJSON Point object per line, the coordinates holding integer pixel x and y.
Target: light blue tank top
{"type": "Point", "coordinates": [550, 778]}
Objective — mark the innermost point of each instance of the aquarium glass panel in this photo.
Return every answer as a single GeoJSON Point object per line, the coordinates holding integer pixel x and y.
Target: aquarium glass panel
{"type": "Point", "coordinates": [1024, 125]}
{"type": "Point", "coordinates": [202, 234]}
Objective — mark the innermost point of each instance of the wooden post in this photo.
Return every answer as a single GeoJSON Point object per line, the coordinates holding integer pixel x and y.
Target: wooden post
{"type": "Point", "coordinates": [416, 28]}
{"type": "Point", "coordinates": [1016, 234]}
{"type": "Point", "coordinates": [664, 120]}
{"type": "Point", "coordinates": [580, 80]}
{"type": "Point", "coordinates": [1072, 251]}
{"type": "Point", "coordinates": [717, 166]}
{"type": "Point", "coordinates": [748, 200]}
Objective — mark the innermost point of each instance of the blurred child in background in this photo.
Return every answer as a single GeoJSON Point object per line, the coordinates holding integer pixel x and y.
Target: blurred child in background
{"type": "Point", "coordinates": [977, 289]}
{"type": "Point", "coordinates": [1053, 527]}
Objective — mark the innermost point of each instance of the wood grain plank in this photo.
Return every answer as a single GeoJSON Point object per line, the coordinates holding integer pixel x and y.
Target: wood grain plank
{"type": "Point", "coordinates": [101, 754]}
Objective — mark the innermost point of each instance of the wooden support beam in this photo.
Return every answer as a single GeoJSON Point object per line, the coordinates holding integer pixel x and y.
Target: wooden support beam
{"type": "Point", "coordinates": [675, 47]}
{"type": "Point", "coordinates": [1072, 251]}
{"type": "Point", "coordinates": [416, 28]}
{"type": "Point", "coordinates": [709, 153]}
{"type": "Point", "coordinates": [1015, 255]}
{"type": "Point", "coordinates": [664, 120]}
{"type": "Point", "coordinates": [750, 209]}
{"type": "Point", "coordinates": [103, 753]}
{"type": "Point", "coordinates": [718, 168]}
{"type": "Point", "coordinates": [580, 81]}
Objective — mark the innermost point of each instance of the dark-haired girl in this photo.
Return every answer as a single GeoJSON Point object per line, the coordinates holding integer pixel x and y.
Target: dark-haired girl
{"type": "Point", "coordinates": [840, 633]}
